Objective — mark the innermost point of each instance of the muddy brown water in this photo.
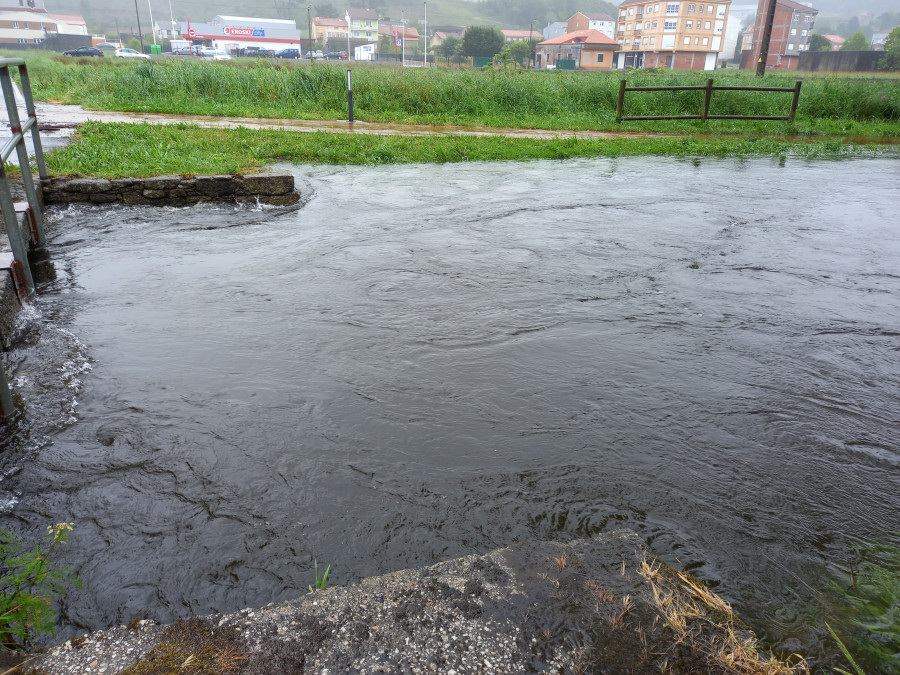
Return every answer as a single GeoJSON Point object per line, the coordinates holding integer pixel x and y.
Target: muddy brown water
{"type": "Point", "coordinates": [428, 361]}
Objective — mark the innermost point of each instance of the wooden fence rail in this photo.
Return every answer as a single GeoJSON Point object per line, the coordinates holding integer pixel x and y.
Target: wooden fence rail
{"type": "Point", "coordinates": [709, 89]}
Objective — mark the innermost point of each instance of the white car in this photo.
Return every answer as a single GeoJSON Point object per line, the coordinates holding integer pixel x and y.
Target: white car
{"type": "Point", "coordinates": [125, 53]}
{"type": "Point", "coordinates": [217, 55]}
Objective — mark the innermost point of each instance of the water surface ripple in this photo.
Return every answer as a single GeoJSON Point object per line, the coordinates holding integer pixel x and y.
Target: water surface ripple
{"type": "Point", "coordinates": [430, 361]}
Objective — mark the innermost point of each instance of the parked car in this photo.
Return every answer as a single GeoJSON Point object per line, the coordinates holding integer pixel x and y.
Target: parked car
{"type": "Point", "coordinates": [187, 51]}
{"type": "Point", "coordinates": [288, 54]}
{"type": "Point", "coordinates": [107, 47]}
{"type": "Point", "coordinates": [215, 55]}
{"type": "Point", "coordinates": [84, 51]}
{"type": "Point", "coordinates": [125, 53]}
{"type": "Point", "coordinates": [256, 52]}
{"type": "Point", "coordinates": [317, 54]}
{"type": "Point", "coordinates": [336, 55]}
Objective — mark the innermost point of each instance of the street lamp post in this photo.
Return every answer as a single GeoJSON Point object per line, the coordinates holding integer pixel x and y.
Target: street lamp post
{"type": "Point", "coordinates": [530, 44]}
{"type": "Point", "coordinates": [403, 41]}
{"type": "Point", "coordinates": [152, 25]}
{"type": "Point", "coordinates": [425, 57]}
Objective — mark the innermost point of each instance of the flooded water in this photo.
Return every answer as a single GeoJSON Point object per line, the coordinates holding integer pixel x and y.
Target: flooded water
{"type": "Point", "coordinates": [429, 361]}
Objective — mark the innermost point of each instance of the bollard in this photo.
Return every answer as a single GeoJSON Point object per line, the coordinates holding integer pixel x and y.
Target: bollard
{"type": "Point", "coordinates": [349, 97]}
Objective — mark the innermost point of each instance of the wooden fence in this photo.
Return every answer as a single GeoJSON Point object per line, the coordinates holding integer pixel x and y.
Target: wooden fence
{"type": "Point", "coordinates": [709, 89]}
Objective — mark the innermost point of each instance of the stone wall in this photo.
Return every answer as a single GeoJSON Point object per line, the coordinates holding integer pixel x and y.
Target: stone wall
{"type": "Point", "coordinates": [266, 188]}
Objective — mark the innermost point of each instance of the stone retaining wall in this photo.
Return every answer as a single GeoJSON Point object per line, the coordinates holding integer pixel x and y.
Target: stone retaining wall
{"type": "Point", "coordinates": [267, 188]}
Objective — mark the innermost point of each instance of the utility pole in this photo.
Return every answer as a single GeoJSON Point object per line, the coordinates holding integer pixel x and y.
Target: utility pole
{"type": "Point", "coordinates": [530, 44]}
{"type": "Point", "coordinates": [766, 39]}
{"type": "Point", "coordinates": [425, 57]}
{"type": "Point", "coordinates": [140, 32]}
{"type": "Point", "coordinates": [309, 23]}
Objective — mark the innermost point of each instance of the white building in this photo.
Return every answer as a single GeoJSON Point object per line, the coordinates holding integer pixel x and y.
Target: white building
{"type": "Point", "coordinates": [235, 32]}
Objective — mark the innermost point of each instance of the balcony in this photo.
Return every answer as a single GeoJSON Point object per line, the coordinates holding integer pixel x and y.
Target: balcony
{"type": "Point", "coordinates": [637, 31]}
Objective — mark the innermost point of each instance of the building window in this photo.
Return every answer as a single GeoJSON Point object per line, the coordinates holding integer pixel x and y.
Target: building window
{"type": "Point", "coordinates": [627, 43]}
{"type": "Point", "coordinates": [671, 25]}
{"type": "Point", "coordinates": [672, 8]}
{"type": "Point", "coordinates": [687, 40]}
{"type": "Point", "coordinates": [38, 41]}
{"type": "Point", "coordinates": [368, 24]}
{"type": "Point", "coordinates": [15, 24]}
{"type": "Point", "coordinates": [25, 25]}
{"type": "Point", "coordinates": [42, 27]}
{"type": "Point", "coordinates": [600, 57]}
{"type": "Point", "coordinates": [654, 24]}
{"type": "Point", "coordinates": [793, 32]}
{"type": "Point", "coordinates": [791, 47]}
{"type": "Point", "coordinates": [652, 40]}
{"type": "Point", "coordinates": [691, 7]}
{"type": "Point", "coordinates": [628, 27]}
{"type": "Point", "coordinates": [22, 41]}
{"type": "Point", "coordinates": [709, 9]}
{"type": "Point", "coordinates": [696, 41]}
{"type": "Point", "coordinates": [689, 24]}
{"type": "Point", "coordinates": [705, 41]}
{"type": "Point", "coordinates": [622, 13]}
{"type": "Point", "coordinates": [706, 25]}
{"type": "Point", "coordinates": [637, 41]}
{"type": "Point", "coordinates": [647, 26]}
{"type": "Point", "coordinates": [701, 8]}
{"type": "Point", "coordinates": [803, 32]}
{"type": "Point", "coordinates": [655, 8]}
{"type": "Point", "coordinates": [630, 11]}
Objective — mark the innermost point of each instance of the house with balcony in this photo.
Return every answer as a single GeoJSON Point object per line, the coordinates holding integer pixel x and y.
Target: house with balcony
{"type": "Point", "coordinates": [592, 21]}
{"type": "Point", "coordinates": [25, 27]}
{"type": "Point", "coordinates": [326, 29]}
{"type": "Point", "coordinates": [791, 32]}
{"type": "Point", "coordinates": [580, 50]}
{"type": "Point", "coordinates": [363, 24]}
{"type": "Point", "coordinates": [676, 35]}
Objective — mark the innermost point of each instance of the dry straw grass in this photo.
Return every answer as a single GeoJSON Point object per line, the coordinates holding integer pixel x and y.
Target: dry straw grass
{"type": "Point", "coordinates": [705, 623]}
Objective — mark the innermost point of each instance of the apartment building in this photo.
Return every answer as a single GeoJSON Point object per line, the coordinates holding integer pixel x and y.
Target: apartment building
{"type": "Point", "coordinates": [791, 32]}
{"type": "Point", "coordinates": [676, 35]}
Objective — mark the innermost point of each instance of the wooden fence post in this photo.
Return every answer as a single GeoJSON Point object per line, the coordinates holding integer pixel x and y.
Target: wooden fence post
{"type": "Point", "coordinates": [795, 100]}
{"type": "Point", "coordinates": [620, 104]}
{"type": "Point", "coordinates": [707, 98]}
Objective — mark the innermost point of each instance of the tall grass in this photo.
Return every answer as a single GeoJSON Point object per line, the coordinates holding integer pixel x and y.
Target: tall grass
{"type": "Point", "coordinates": [494, 97]}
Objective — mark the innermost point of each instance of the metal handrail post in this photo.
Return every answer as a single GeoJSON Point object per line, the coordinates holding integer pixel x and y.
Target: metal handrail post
{"type": "Point", "coordinates": [35, 135]}
{"type": "Point", "coordinates": [7, 408]}
{"type": "Point", "coordinates": [12, 111]}
{"type": "Point", "coordinates": [16, 241]}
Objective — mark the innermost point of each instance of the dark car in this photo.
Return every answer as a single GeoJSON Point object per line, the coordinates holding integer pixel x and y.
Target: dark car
{"type": "Point", "coordinates": [336, 55]}
{"type": "Point", "coordinates": [84, 51]}
{"type": "Point", "coordinates": [288, 54]}
{"type": "Point", "coordinates": [256, 52]}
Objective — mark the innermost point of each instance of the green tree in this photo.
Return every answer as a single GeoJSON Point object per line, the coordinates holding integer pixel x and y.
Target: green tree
{"type": "Point", "coordinates": [819, 43]}
{"type": "Point", "coordinates": [482, 41]}
{"type": "Point", "coordinates": [856, 43]}
{"type": "Point", "coordinates": [448, 47]}
{"type": "Point", "coordinates": [891, 58]}
{"type": "Point", "coordinates": [520, 52]}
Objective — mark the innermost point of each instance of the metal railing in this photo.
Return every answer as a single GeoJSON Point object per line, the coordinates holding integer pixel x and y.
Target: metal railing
{"type": "Point", "coordinates": [19, 267]}
{"type": "Point", "coordinates": [704, 115]}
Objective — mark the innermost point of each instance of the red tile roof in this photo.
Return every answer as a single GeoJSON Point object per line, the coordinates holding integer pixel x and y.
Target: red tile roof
{"type": "Point", "coordinates": [587, 37]}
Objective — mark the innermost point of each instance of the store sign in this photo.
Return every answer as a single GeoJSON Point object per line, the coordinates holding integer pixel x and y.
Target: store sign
{"type": "Point", "coordinates": [244, 32]}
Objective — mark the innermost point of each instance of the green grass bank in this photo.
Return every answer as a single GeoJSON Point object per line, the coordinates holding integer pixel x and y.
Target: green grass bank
{"type": "Point", "coordinates": [119, 150]}
{"type": "Point", "coordinates": [862, 107]}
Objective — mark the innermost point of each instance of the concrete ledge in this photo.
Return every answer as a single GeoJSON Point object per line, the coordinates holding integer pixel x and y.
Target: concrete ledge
{"type": "Point", "coordinates": [276, 189]}
{"type": "Point", "coordinates": [587, 606]}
